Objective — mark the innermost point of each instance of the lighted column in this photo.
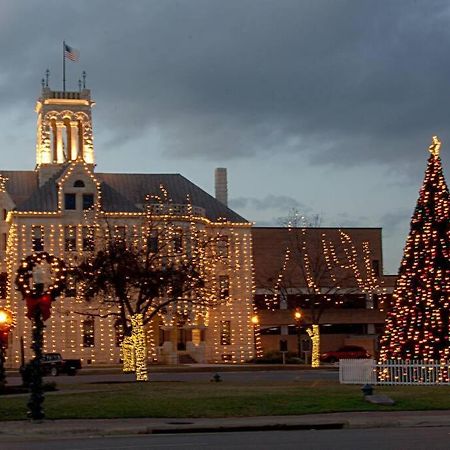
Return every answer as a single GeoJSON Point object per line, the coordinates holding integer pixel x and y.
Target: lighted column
{"type": "Point", "coordinates": [87, 142]}
{"type": "Point", "coordinates": [43, 151]}
{"type": "Point", "coordinates": [73, 140]}
{"type": "Point", "coordinates": [59, 142]}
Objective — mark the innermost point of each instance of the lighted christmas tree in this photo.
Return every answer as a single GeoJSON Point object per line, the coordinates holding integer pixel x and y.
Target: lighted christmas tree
{"type": "Point", "coordinates": [418, 324]}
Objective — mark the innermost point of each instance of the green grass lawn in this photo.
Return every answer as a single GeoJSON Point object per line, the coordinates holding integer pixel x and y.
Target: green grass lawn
{"type": "Point", "coordinates": [186, 399]}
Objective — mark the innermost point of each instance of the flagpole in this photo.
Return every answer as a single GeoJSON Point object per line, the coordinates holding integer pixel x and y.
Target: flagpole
{"type": "Point", "coordinates": [64, 66]}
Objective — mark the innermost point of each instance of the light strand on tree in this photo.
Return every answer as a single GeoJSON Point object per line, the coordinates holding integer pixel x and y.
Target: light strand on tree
{"type": "Point", "coordinates": [418, 324]}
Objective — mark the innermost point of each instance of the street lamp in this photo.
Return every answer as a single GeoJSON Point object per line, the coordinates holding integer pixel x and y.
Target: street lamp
{"type": "Point", "coordinates": [6, 322]}
{"type": "Point", "coordinates": [298, 317]}
{"type": "Point", "coordinates": [41, 278]}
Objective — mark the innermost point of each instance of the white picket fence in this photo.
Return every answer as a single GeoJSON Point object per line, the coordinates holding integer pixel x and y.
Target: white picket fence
{"type": "Point", "coordinates": [363, 371]}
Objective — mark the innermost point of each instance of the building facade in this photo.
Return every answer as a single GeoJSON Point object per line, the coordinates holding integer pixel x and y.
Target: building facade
{"type": "Point", "coordinates": [331, 277]}
{"type": "Point", "coordinates": [60, 207]}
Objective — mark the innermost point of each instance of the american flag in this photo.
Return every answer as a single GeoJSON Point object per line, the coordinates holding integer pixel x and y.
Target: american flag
{"type": "Point", "coordinates": [71, 53]}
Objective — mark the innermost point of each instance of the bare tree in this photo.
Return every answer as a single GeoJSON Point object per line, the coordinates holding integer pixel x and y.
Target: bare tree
{"type": "Point", "coordinates": [166, 269]}
{"type": "Point", "coordinates": [322, 268]}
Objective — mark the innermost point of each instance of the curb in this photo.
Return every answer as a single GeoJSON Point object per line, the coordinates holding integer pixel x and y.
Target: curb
{"type": "Point", "coordinates": [241, 428]}
{"type": "Point", "coordinates": [55, 429]}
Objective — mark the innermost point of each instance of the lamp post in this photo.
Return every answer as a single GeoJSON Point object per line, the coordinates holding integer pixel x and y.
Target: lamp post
{"type": "Point", "coordinates": [298, 318]}
{"type": "Point", "coordinates": [40, 278]}
{"type": "Point", "coordinates": [6, 322]}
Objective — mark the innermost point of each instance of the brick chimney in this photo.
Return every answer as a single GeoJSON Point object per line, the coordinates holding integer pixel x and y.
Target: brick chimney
{"type": "Point", "coordinates": [221, 185]}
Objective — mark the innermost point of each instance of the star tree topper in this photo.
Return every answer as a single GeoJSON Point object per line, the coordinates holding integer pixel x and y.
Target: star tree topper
{"type": "Point", "coordinates": [435, 146]}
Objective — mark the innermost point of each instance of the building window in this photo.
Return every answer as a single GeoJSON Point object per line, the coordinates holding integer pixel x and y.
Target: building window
{"type": "Point", "coordinates": [225, 332]}
{"type": "Point", "coordinates": [3, 284]}
{"type": "Point", "coordinates": [222, 246]}
{"type": "Point", "coordinates": [178, 242]}
{"type": "Point", "coordinates": [88, 239]}
{"type": "Point", "coordinates": [344, 328]}
{"type": "Point", "coordinates": [37, 239]}
{"type": "Point", "coordinates": [78, 183]}
{"type": "Point", "coordinates": [88, 201]}
{"type": "Point", "coordinates": [267, 331]}
{"type": "Point", "coordinates": [70, 238]}
{"type": "Point", "coordinates": [224, 287]}
{"type": "Point", "coordinates": [70, 201]}
{"type": "Point", "coordinates": [88, 326]}
{"type": "Point", "coordinates": [376, 267]}
{"type": "Point", "coordinates": [152, 243]}
{"type": "Point", "coordinates": [5, 214]}
{"type": "Point", "coordinates": [120, 233]}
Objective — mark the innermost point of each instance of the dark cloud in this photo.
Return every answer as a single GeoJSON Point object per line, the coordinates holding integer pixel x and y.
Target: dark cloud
{"type": "Point", "coordinates": [347, 220]}
{"type": "Point", "coordinates": [397, 221]}
{"type": "Point", "coordinates": [270, 202]}
{"type": "Point", "coordinates": [348, 82]}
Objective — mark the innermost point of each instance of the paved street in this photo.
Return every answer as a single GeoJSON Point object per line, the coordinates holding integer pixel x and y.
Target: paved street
{"type": "Point", "coordinates": [239, 376]}
{"type": "Point", "coordinates": [372, 439]}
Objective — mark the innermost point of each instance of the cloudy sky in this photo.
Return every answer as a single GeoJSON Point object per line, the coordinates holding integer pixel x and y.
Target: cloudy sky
{"type": "Point", "coordinates": [323, 106]}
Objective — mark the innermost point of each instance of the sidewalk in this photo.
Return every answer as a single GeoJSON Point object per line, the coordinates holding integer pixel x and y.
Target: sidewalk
{"type": "Point", "coordinates": [23, 429]}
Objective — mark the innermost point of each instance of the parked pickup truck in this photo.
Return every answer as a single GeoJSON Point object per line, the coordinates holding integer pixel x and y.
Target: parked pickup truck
{"type": "Point", "coordinates": [53, 364]}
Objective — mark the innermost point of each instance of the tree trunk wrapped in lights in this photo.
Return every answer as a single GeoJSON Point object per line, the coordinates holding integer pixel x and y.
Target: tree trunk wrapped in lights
{"type": "Point", "coordinates": [418, 324]}
{"type": "Point", "coordinates": [140, 347]}
{"type": "Point", "coordinates": [314, 334]}
{"type": "Point", "coordinates": [128, 357]}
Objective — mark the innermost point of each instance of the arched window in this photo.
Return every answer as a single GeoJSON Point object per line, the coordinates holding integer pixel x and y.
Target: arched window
{"type": "Point", "coordinates": [78, 183]}
{"type": "Point", "coordinates": [88, 327]}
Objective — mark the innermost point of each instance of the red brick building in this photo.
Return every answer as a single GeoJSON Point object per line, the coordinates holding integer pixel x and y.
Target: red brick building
{"type": "Point", "coordinates": [333, 277]}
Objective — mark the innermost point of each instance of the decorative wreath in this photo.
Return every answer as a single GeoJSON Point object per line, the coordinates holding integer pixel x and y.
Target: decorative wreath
{"type": "Point", "coordinates": [24, 278]}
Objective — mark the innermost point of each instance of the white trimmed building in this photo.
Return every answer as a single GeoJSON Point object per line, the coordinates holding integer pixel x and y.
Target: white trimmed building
{"type": "Point", "coordinates": [52, 209]}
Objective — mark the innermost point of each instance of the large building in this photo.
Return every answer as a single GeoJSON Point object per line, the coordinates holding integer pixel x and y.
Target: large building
{"type": "Point", "coordinates": [54, 208]}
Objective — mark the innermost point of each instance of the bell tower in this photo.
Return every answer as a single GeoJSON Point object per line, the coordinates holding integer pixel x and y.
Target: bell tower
{"type": "Point", "coordinates": [64, 130]}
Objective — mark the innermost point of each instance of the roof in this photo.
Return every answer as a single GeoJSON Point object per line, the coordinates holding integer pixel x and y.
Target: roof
{"type": "Point", "coordinates": [21, 184]}
{"type": "Point", "coordinates": [136, 186]}
{"type": "Point", "coordinates": [121, 192]}
{"type": "Point", "coordinates": [113, 201]}
{"type": "Point", "coordinates": [43, 198]}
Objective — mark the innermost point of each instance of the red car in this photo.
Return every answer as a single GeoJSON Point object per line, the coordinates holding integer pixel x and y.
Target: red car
{"type": "Point", "coordinates": [345, 352]}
